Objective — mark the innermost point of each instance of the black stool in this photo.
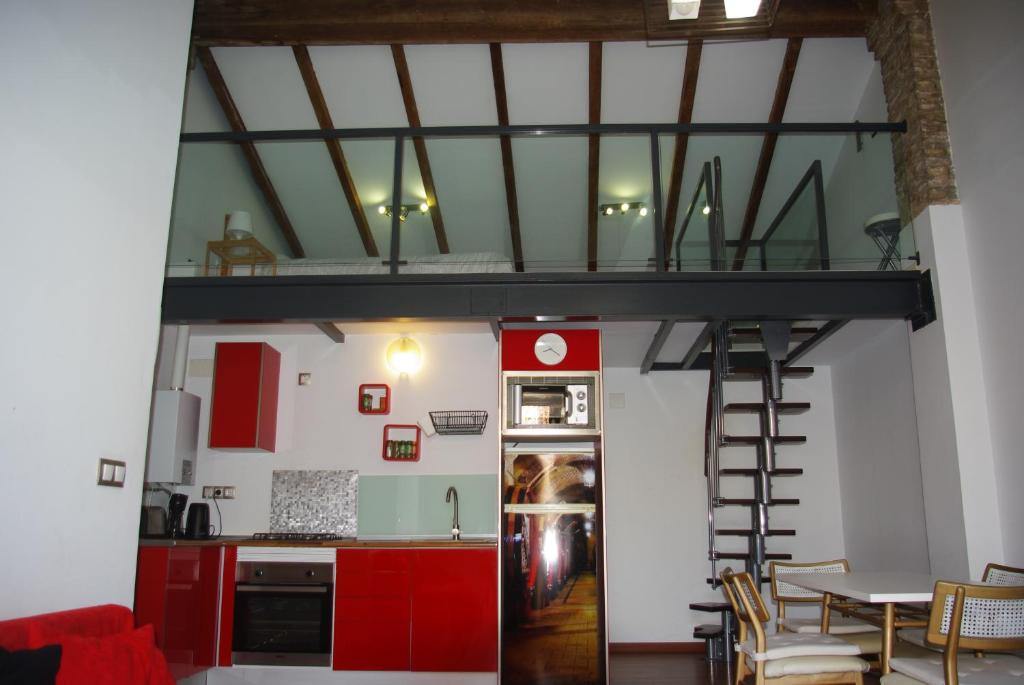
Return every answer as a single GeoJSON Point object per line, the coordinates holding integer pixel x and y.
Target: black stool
{"type": "Point", "coordinates": [719, 640]}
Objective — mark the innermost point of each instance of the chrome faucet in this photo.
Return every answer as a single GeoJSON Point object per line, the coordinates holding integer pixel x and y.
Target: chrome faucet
{"type": "Point", "coordinates": [455, 518]}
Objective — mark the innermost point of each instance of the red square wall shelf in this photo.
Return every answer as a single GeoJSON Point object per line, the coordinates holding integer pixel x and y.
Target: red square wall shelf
{"type": "Point", "coordinates": [374, 398]}
{"type": "Point", "coordinates": [401, 442]}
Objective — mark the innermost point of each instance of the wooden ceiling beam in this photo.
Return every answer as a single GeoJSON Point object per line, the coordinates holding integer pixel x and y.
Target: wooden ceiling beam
{"type": "Point", "coordinates": [323, 117]}
{"type": "Point", "coordinates": [252, 156]}
{"type": "Point", "coordinates": [387, 22]}
{"type": "Point", "coordinates": [594, 156]}
{"type": "Point", "coordinates": [511, 196]}
{"type": "Point", "coordinates": [764, 161]}
{"type": "Point", "coordinates": [691, 70]}
{"type": "Point", "coordinates": [412, 112]}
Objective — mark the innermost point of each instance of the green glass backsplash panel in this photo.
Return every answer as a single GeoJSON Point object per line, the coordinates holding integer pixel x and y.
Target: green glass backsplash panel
{"type": "Point", "coordinates": [414, 505]}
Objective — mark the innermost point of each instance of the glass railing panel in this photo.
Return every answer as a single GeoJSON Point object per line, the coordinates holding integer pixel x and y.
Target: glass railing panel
{"type": "Point", "coordinates": [551, 181]}
{"type": "Point", "coordinates": [469, 183]}
{"type": "Point", "coordinates": [861, 185]}
{"type": "Point", "coordinates": [214, 180]}
{"type": "Point", "coordinates": [794, 243]}
{"type": "Point", "coordinates": [625, 225]}
{"type": "Point", "coordinates": [551, 174]}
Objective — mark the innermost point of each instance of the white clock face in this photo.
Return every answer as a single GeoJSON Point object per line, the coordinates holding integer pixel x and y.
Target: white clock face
{"type": "Point", "coordinates": [550, 349]}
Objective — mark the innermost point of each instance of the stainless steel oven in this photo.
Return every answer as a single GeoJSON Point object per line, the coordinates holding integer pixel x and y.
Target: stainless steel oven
{"type": "Point", "coordinates": [283, 613]}
{"type": "Point", "coordinates": [549, 404]}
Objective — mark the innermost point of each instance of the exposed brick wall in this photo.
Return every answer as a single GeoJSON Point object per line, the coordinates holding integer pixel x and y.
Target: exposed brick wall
{"type": "Point", "coordinates": [901, 38]}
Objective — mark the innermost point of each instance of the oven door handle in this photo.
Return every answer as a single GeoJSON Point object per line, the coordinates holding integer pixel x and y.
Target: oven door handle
{"type": "Point", "coordinates": [308, 589]}
{"type": "Point", "coordinates": [568, 405]}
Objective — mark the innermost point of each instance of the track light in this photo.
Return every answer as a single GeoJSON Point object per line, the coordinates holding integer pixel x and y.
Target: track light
{"type": "Point", "coordinates": [622, 208]}
{"type": "Point", "coordinates": [403, 210]}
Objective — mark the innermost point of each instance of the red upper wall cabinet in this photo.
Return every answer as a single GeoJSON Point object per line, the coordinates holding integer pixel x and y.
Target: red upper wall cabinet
{"type": "Point", "coordinates": [243, 411]}
{"type": "Point", "coordinates": [582, 350]}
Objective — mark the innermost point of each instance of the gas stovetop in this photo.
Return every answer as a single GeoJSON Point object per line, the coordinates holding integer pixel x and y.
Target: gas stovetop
{"type": "Point", "coordinates": [304, 537]}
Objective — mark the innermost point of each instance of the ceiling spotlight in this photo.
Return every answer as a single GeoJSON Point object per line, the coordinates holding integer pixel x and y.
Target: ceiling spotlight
{"type": "Point", "coordinates": [622, 208]}
{"type": "Point", "coordinates": [403, 210]}
{"type": "Point", "coordinates": [741, 9]}
{"type": "Point", "coordinates": [683, 9]}
{"type": "Point", "coordinates": [706, 210]}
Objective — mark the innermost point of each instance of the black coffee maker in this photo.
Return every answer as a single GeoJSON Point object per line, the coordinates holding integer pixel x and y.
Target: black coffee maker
{"type": "Point", "coordinates": [175, 513]}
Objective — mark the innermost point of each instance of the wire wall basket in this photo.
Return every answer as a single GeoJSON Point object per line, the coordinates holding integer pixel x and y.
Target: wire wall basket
{"type": "Point", "coordinates": [460, 422]}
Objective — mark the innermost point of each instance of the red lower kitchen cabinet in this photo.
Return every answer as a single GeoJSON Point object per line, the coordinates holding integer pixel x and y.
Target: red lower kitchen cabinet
{"type": "Point", "coordinates": [416, 609]}
{"type": "Point", "coordinates": [455, 610]}
{"type": "Point", "coordinates": [371, 610]}
{"type": "Point", "coordinates": [176, 592]}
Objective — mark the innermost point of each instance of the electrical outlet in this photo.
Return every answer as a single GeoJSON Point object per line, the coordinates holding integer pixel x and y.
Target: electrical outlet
{"type": "Point", "coordinates": [218, 492]}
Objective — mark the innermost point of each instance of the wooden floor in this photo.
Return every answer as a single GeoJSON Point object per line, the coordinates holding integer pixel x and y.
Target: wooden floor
{"type": "Point", "coordinates": [677, 669]}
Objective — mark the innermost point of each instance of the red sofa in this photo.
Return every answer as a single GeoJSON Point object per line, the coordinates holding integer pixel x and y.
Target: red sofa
{"type": "Point", "coordinates": [98, 645]}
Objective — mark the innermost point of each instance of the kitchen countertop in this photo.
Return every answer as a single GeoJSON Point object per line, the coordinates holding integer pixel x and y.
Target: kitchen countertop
{"type": "Point", "coordinates": [247, 541]}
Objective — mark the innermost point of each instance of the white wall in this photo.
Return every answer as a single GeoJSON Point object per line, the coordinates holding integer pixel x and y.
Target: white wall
{"type": "Point", "coordinates": [879, 458]}
{"type": "Point", "coordinates": [655, 502]}
{"type": "Point", "coordinates": [981, 59]}
{"type": "Point", "coordinates": [92, 109]}
{"type": "Point", "coordinates": [960, 498]}
{"type": "Point", "coordinates": [319, 426]}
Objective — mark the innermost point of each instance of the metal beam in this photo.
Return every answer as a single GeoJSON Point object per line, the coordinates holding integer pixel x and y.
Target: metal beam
{"type": "Point", "coordinates": [664, 330]}
{"type": "Point", "coordinates": [426, 175]}
{"type": "Point", "coordinates": [638, 296]}
{"type": "Point", "coordinates": [699, 344]}
{"type": "Point", "coordinates": [532, 131]}
{"type": "Point", "coordinates": [331, 331]}
{"type": "Point", "coordinates": [383, 22]}
{"type": "Point", "coordinates": [807, 345]}
{"type": "Point", "coordinates": [593, 155]}
{"type": "Point", "coordinates": [259, 173]}
{"type": "Point", "coordinates": [764, 160]}
{"type": "Point", "coordinates": [323, 117]}
{"type": "Point", "coordinates": [495, 329]}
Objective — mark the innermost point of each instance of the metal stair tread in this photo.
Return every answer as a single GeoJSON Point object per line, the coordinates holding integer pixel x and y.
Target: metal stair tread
{"type": "Point", "coordinates": [788, 408]}
{"type": "Point", "coordinates": [729, 440]}
{"type": "Point", "coordinates": [755, 374]}
{"type": "Point", "coordinates": [746, 532]}
{"type": "Point", "coordinates": [754, 472]}
{"type": "Point", "coordinates": [775, 556]}
{"type": "Point", "coordinates": [732, 501]}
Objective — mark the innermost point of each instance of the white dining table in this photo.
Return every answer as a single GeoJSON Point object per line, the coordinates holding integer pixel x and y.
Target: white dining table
{"type": "Point", "coordinates": [883, 588]}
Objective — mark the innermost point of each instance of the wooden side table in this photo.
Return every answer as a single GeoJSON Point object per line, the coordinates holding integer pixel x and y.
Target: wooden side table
{"type": "Point", "coordinates": [247, 252]}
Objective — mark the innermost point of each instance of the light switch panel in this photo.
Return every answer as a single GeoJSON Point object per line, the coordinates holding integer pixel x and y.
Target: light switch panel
{"type": "Point", "coordinates": [111, 473]}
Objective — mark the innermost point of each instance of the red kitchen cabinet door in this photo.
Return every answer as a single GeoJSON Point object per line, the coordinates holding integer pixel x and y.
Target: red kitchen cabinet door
{"type": "Point", "coordinates": [176, 591]}
{"type": "Point", "coordinates": [455, 610]}
{"type": "Point", "coordinates": [371, 610]}
{"type": "Point", "coordinates": [583, 350]}
{"type": "Point", "coordinates": [227, 606]}
{"type": "Point", "coordinates": [151, 589]}
{"type": "Point", "coordinates": [243, 406]}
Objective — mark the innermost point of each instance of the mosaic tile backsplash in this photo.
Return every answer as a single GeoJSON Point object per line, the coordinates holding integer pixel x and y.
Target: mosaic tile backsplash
{"type": "Point", "coordinates": [314, 502]}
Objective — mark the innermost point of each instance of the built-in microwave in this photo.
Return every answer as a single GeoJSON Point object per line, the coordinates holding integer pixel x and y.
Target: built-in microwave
{"type": "Point", "coordinates": [550, 404]}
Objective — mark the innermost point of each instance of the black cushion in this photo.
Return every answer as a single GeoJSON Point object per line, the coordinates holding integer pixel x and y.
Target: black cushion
{"type": "Point", "coordinates": [30, 666]}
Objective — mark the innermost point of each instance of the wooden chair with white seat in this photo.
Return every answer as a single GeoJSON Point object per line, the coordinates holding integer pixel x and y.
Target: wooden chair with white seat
{"type": "Point", "coordinates": [867, 637]}
{"type": "Point", "coordinates": [785, 658]}
{"type": "Point", "coordinates": [995, 574]}
{"type": "Point", "coordinates": [980, 618]}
